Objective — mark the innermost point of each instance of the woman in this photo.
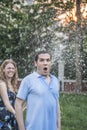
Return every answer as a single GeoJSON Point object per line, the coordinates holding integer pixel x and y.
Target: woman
{"type": "Point", "coordinates": [8, 88]}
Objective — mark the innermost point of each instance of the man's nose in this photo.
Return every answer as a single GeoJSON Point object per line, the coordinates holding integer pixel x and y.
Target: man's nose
{"type": "Point", "coordinates": [45, 62]}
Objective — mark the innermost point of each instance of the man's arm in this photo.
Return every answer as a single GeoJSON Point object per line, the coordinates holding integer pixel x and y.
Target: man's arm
{"type": "Point", "coordinates": [59, 117]}
{"type": "Point", "coordinates": [19, 113]}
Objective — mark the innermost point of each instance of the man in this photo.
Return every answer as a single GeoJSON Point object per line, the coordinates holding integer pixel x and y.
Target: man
{"type": "Point", "coordinates": [40, 90]}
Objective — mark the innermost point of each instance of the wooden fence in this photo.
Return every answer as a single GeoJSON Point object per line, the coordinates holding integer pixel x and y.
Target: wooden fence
{"type": "Point", "coordinates": [68, 85]}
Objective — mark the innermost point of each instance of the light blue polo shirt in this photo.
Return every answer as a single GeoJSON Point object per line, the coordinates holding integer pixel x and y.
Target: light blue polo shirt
{"type": "Point", "coordinates": [42, 101]}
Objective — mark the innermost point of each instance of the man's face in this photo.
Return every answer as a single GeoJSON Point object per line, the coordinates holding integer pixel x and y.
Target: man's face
{"type": "Point", "coordinates": [43, 64]}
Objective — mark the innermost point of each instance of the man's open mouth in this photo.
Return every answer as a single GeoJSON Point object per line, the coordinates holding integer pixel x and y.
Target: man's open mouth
{"type": "Point", "coordinates": [45, 68]}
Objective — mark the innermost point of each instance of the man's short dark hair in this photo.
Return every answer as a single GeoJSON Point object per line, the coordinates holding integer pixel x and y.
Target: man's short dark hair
{"type": "Point", "coordinates": [41, 52]}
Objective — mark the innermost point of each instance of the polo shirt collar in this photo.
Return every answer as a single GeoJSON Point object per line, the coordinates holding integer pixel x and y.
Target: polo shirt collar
{"type": "Point", "coordinates": [38, 75]}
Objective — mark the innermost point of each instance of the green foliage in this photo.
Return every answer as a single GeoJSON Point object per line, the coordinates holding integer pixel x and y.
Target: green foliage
{"type": "Point", "coordinates": [73, 111]}
{"type": "Point", "coordinates": [85, 56]}
{"type": "Point", "coordinates": [65, 6]}
{"type": "Point", "coordinates": [25, 31]}
{"type": "Point", "coordinates": [69, 58]}
{"type": "Point", "coordinates": [21, 34]}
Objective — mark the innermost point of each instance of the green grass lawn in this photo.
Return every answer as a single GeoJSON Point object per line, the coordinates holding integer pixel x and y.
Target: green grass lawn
{"type": "Point", "coordinates": [73, 111]}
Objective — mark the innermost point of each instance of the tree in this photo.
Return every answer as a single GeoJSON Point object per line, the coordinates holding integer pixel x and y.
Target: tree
{"type": "Point", "coordinates": [79, 42]}
{"type": "Point", "coordinates": [76, 23]}
{"type": "Point", "coordinates": [25, 29]}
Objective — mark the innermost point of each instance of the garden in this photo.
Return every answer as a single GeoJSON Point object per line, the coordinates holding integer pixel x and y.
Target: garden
{"type": "Point", "coordinates": [73, 111]}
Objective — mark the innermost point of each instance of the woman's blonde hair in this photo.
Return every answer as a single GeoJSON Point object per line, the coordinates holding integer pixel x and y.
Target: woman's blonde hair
{"type": "Point", "coordinates": [2, 74]}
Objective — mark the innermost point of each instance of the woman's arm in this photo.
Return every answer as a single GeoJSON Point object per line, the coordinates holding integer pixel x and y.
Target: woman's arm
{"type": "Point", "coordinates": [4, 95]}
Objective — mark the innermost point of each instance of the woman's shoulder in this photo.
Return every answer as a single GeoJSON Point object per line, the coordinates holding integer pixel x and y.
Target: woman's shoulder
{"type": "Point", "coordinates": [2, 83]}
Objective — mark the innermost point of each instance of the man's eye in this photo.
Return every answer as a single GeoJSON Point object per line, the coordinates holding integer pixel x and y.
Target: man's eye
{"type": "Point", "coordinates": [41, 60]}
{"type": "Point", "coordinates": [48, 60]}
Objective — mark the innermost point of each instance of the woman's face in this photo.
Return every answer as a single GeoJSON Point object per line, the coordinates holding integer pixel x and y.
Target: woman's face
{"type": "Point", "coordinates": [9, 70]}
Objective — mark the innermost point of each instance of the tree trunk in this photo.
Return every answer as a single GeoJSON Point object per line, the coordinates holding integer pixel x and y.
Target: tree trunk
{"type": "Point", "coordinates": [78, 48]}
